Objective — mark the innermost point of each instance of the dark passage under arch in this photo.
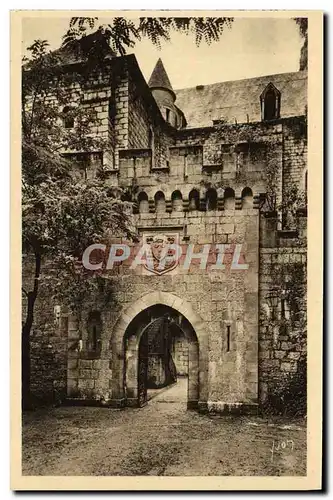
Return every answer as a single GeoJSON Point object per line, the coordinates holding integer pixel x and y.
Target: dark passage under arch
{"type": "Point", "coordinates": [151, 342]}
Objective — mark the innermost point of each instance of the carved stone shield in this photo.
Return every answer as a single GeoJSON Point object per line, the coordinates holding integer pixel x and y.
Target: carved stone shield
{"type": "Point", "coordinates": [164, 257]}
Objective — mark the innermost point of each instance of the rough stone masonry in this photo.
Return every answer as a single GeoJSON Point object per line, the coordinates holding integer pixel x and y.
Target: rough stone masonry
{"type": "Point", "coordinates": [201, 161]}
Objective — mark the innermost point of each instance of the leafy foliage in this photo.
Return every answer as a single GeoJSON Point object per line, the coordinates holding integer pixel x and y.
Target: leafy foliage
{"type": "Point", "coordinates": [286, 208]}
{"type": "Point", "coordinates": [59, 208]}
{"type": "Point", "coordinates": [287, 391]}
{"type": "Point", "coordinates": [302, 23]}
{"type": "Point", "coordinates": [289, 284]}
{"type": "Point", "coordinates": [122, 33]}
{"type": "Point", "coordinates": [294, 197]}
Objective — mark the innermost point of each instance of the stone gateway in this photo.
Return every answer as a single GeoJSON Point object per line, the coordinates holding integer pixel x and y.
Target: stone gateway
{"type": "Point", "coordinates": [200, 164]}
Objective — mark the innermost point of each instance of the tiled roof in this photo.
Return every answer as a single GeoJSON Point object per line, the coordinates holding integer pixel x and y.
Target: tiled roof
{"type": "Point", "coordinates": [77, 51]}
{"type": "Point", "coordinates": [239, 100]}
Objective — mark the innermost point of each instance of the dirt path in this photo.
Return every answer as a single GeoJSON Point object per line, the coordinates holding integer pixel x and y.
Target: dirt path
{"type": "Point", "coordinates": [162, 438]}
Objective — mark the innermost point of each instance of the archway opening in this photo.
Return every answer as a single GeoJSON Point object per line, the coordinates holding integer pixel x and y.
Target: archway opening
{"type": "Point", "coordinates": [160, 205]}
{"type": "Point", "coordinates": [247, 198]}
{"type": "Point", "coordinates": [177, 201]}
{"type": "Point", "coordinates": [211, 199]}
{"type": "Point", "coordinates": [229, 199]}
{"type": "Point", "coordinates": [143, 202]}
{"type": "Point", "coordinates": [161, 358]}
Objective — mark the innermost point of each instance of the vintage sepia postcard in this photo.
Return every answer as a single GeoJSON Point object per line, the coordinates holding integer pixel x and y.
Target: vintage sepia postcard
{"type": "Point", "coordinates": [166, 286]}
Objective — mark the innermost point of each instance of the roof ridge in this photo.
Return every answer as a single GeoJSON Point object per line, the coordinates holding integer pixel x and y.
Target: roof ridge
{"type": "Point", "coordinates": [246, 79]}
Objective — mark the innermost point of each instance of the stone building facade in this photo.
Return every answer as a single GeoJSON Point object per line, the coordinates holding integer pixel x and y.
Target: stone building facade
{"type": "Point", "coordinates": [199, 163]}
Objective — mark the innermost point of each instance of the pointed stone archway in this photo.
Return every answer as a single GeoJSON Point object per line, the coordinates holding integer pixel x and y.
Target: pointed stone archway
{"type": "Point", "coordinates": [125, 350]}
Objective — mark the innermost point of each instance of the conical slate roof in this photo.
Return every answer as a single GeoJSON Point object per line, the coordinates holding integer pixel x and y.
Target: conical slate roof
{"type": "Point", "coordinates": [159, 77]}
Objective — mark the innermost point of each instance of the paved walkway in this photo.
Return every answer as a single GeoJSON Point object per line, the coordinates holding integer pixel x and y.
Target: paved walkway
{"type": "Point", "coordinates": [175, 393]}
{"type": "Point", "coordinates": [163, 438]}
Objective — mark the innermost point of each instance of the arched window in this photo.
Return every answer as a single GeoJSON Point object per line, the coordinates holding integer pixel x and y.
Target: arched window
{"type": "Point", "coordinates": [211, 199]}
{"type": "Point", "coordinates": [160, 205]}
{"type": "Point", "coordinates": [270, 101]}
{"type": "Point", "coordinates": [177, 201]}
{"type": "Point", "coordinates": [247, 198]}
{"type": "Point", "coordinates": [94, 331]}
{"type": "Point", "coordinates": [143, 203]}
{"type": "Point", "coordinates": [68, 117]}
{"type": "Point", "coordinates": [194, 200]}
{"type": "Point", "coordinates": [229, 199]}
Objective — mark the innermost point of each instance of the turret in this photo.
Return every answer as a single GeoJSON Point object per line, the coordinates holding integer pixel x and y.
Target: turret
{"type": "Point", "coordinates": [165, 97]}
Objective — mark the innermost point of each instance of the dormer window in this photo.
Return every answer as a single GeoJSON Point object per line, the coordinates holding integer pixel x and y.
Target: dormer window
{"type": "Point", "coordinates": [270, 101]}
{"type": "Point", "coordinates": [68, 117]}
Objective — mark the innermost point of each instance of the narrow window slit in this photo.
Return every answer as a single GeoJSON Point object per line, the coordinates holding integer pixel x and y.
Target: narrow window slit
{"type": "Point", "coordinates": [228, 338]}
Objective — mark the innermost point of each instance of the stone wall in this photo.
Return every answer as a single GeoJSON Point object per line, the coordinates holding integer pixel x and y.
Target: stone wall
{"type": "Point", "coordinates": [282, 338]}
{"type": "Point", "coordinates": [138, 124]}
{"type": "Point", "coordinates": [295, 152]}
{"type": "Point", "coordinates": [90, 92]}
{"type": "Point", "coordinates": [48, 340]}
{"type": "Point", "coordinates": [139, 121]}
{"type": "Point", "coordinates": [226, 300]}
{"type": "Point", "coordinates": [121, 112]}
{"type": "Point", "coordinates": [88, 371]}
{"type": "Point", "coordinates": [180, 355]}
{"type": "Point", "coordinates": [239, 156]}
